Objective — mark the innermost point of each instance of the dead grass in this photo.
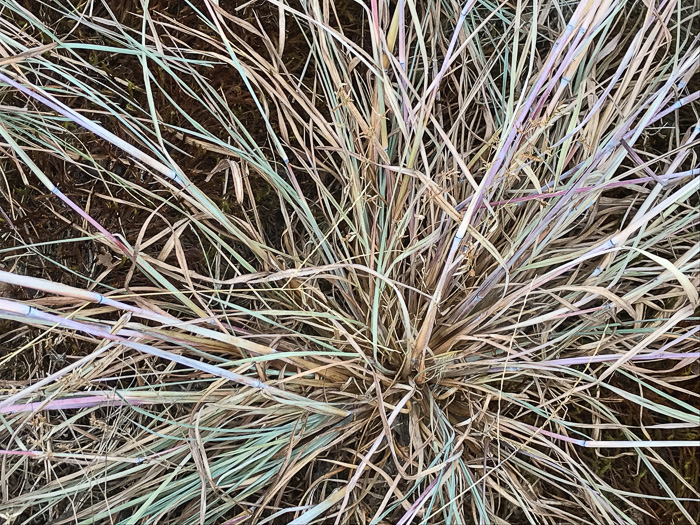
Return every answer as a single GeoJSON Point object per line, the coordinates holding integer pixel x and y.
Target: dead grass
{"type": "Point", "coordinates": [386, 263]}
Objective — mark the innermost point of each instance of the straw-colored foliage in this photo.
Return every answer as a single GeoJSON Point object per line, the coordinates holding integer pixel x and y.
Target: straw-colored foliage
{"type": "Point", "coordinates": [349, 262]}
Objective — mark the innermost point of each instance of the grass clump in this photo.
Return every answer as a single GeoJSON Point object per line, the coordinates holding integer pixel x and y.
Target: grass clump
{"type": "Point", "coordinates": [315, 262]}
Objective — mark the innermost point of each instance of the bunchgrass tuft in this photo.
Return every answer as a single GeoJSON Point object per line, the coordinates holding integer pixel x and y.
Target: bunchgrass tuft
{"type": "Point", "coordinates": [349, 262]}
